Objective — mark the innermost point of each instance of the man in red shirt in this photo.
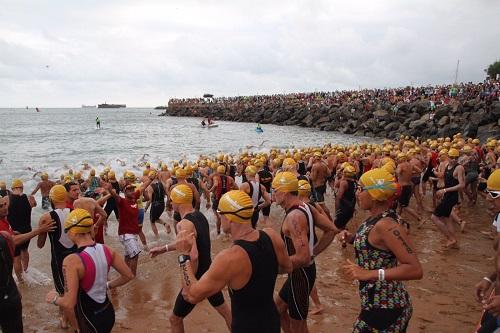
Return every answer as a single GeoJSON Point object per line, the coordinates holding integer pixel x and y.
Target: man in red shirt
{"type": "Point", "coordinates": [128, 227]}
{"type": "Point", "coordinates": [73, 193]}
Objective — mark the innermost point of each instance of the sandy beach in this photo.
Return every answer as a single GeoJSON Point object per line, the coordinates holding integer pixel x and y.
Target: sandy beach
{"type": "Point", "coordinates": [442, 301]}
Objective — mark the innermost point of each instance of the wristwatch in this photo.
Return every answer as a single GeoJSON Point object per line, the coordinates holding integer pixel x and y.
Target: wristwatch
{"type": "Point", "coordinates": [183, 258]}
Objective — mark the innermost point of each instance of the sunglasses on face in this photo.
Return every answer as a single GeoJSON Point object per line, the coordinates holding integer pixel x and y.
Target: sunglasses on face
{"type": "Point", "coordinates": [494, 194]}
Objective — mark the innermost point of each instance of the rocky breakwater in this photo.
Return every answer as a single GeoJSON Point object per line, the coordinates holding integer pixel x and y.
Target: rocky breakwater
{"type": "Point", "coordinates": [472, 118]}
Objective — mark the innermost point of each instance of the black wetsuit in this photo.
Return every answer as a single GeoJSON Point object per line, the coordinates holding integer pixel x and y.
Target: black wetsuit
{"type": "Point", "coordinates": [266, 179]}
{"type": "Point", "coordinates": [59, 251]}
{"type": "Point", "coordinates": [20, 218]}
{"type": "Point", "coordinates": [301, 168]}
{"type": "Point", "coordinates": [11, 311]}
{"type": "Point", "coordinates": [252, 307]}
{"type": "Point", "coordinates": [345, 211]}
{"type": "Point", "coordinates": [255, 215]}
{"type": "Point", "coordinates": [297, 287]}
{"type": "Point", "coordinates": [111, 205]}
{"type": "Point", "coordinates": [157, 202]}
{"type": "Point", "coordinates": [450, 199]}
{"type": "Point", "coordinates": [182, 307]}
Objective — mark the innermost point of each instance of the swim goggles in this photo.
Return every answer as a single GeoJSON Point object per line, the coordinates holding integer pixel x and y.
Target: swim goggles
{"type": "Point", "coordinates": [494, 194]}
{"type": "Point", "coordinates": [235, 213]}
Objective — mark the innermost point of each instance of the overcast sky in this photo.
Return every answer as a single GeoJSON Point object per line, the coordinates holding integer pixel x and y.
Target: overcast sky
{"type": "Point", "coordinates": [67, 53]}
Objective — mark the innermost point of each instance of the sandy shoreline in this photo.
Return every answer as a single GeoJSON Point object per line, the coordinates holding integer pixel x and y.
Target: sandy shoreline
{"type": "Point", "coordinates": [442, 301]}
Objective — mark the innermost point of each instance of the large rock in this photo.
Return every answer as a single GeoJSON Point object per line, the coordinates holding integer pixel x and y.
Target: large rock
{"type": "Point", "coordinates": [470, 130]}
{"type": "Point", "coordinates": [392, 126]}
{"type": "Point", "coordinates": [381, 113]}
{"type": "Point", "coordinates": [416, 124]}
{"type": "Point", "coordinates": [443, 121]}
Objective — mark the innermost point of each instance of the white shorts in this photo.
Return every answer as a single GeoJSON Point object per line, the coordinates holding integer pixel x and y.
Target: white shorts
{"type": "Point", "coordinates": [131, 245]}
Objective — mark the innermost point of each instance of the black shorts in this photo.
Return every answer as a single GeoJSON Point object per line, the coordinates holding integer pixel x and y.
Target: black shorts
{"type": "Point", "coordinates": [415, 180]}
{"type": "Point", "coordinates": [446, 205]}
{"type": "Point", "coordinates": [266, 210]}
{"type": "Point", "coordinates": [182, 307]}
{"type": "Point", "coordinates": [215, 203]}
{"type": "Point", "coordinates": [471, 177]}
{"type": "Point", "coordinates": [342, 216]}
{"type": "Point", "coordinates": [157, 208]}
{"type": "Point", "coordinates": [319, 193]}
{"type": "Point", "coordinates": [488, 323]}
{"type": "Point", "coordinates": [404, 198]}
{"type": "Point", "coordinates": [296, 289]}
{"type": "Point", "coordinates": [21, 247]}
{"type": "Point", "coordinates": [11, 320]}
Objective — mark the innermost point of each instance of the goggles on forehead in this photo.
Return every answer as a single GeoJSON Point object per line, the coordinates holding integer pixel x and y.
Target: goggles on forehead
{"type": "Point", "coordinates": [235, 213]}
{"type": "Point", "coordinates": [494, 194]}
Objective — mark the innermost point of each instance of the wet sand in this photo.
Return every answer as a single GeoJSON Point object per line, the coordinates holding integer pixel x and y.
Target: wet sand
{"type": "Point", "coordinates": [443, 300]}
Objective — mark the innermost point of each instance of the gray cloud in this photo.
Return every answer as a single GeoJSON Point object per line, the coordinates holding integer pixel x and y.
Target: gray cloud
{"type": "Point", "coordinates": [142, 53]}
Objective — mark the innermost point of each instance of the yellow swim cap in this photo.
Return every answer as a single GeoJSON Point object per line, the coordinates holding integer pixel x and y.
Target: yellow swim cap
{"type": "Point", "coordinates": [3, 186]}
{"type": "Point", "coordinates": [401, 157]}
{"type": "Point", "coordinates": [289, 164]}
{"type": "Point", "coordinates": [181, 194]}
{"type": "Point", "coordinates": [304, 188]}
{"type": "Point", "coordinates": [221, 169]}
{"type": "Point", "coordinates": [111, 175]}
{"type": "Point", "coordinates": [189, 170]}
{"type": "Point", "coordinates": [389, 167]}
{"type": "Point", "coordinates": [454, 153]}
{"type": "Point", "coordinates": [16, 183]}
{"type": "Point", "coordinates": [77, 176]}
{"type": "Point", "coordinates": [317, 155]}
{"type": "Point", "coordinates": [285, 182]}
{"type": "Point", "coordinates": [58, 194]}
{"type": "Point", "coordinates": [67, 179]}
{"type": "Point", "coordinates": [78, 221]}
{"type": "Point", "coordinates": [236, 206]}
{"type": "Point", "coordinates": [152, 173]}
{"type": "Point", "coordinates": [164, 167]}
{"type": "Point", "coordinates": [349, 171]}
{"type": "Point", "coordinates": [44, 176]}
{"type": "Point", "coordinates": [251, 170]}
{"type": "Point", "coordinates": [92, 172]}
{"type": "Point", "coordinates": [379, 183]}
{"type": "Point", "coordinates": [493, 183]}
{"type": "Point", "coordinates": [180, 173]}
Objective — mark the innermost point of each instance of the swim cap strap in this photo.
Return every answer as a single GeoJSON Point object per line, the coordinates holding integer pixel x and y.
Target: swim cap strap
{"type": "Point", "coordinates": [77, 224]}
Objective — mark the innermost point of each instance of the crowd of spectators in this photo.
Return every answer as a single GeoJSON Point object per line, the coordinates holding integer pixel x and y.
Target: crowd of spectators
{"type": "Point", "coordinates": [370, 99]}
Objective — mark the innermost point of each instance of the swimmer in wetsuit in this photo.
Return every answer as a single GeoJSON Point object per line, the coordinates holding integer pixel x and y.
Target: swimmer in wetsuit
{"type": "Point", "coordinates": [249, 267]}
{"type": "Point", "coordinates": [194, 224]}
{"type": "Point", "coordinates": [384, 258]}
{"type": "Point", "coordinates": [86, 301]}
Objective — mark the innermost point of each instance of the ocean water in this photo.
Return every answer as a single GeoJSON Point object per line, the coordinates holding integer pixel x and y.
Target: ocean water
{"type": "Point", "coordinates": [55, 140]}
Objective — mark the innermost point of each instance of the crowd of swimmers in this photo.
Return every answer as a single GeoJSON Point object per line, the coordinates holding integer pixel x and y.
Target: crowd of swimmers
{"type": "Point", "coordinates": [380, 179]}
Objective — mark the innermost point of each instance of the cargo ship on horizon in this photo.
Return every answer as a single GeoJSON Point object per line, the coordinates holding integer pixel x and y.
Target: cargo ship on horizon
{"type": "Point", "coordinates": [111, 106]}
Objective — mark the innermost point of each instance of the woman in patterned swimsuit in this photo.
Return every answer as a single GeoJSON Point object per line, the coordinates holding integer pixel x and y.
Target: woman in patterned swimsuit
{"type": "Point", "coordinates": [384, 257]}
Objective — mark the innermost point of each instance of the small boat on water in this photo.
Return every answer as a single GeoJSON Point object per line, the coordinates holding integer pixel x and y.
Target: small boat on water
{"type": "Point", "coordinates": [209, 126]}
{"type": "Point", "coordinates": [259, 130]}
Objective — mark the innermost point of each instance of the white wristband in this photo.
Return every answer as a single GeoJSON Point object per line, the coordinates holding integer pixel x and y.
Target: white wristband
{"type": "Point", "coordinates": [108, 286]}
{"type": "Point", "coordinates": [166, 247]}
{"type": "Point", "coordinates": [381, 275]}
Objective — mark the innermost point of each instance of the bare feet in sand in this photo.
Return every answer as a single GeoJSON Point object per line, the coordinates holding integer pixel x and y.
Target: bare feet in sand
{"type": "Point", "coordinates": [317, 310]}
{"type": "Point", "coordinates": [462, 226]}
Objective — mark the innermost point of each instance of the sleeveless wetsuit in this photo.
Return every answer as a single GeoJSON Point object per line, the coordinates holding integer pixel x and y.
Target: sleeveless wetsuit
{"type": "Point", "coordinates": [157, 202]}
{"type": "Point", "coordinates": [182, 308]}
{"type": "Point", "coordinates": [344, 213]}
{"type": "Point", "coordinates": [252, 307]}
{"type": "Point", "coordinates": [385, 305]}
{"type": "Point", "coordinates": [93, 308]}
{"type": "Point", "coordinates": [223, 187]}
{"type": "Point", "coordinates": [450, 199]}
{"type": "Point", "coordinates": [11, 318]}
{"type": "Point", "coordinates": [266, 179]}
{"type": "Point", "coordinates": [297, 287]}
{"type": "Point", "coordinates": [20, 218]}
{"type": "Point", "coordinates": [256, 195]}
{"type": "Point", "coordinates": [60, 247]}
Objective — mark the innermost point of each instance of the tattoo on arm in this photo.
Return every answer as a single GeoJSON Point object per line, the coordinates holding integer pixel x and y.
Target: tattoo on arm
{"type": "Point", "coordinates": [65, 280]}
{"type": "Point", "coordinates": [185, 275]}
{"type": "Point", "coordinates": [398, 236]}
{"type": "Point", "coordinates": [297, 232]}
